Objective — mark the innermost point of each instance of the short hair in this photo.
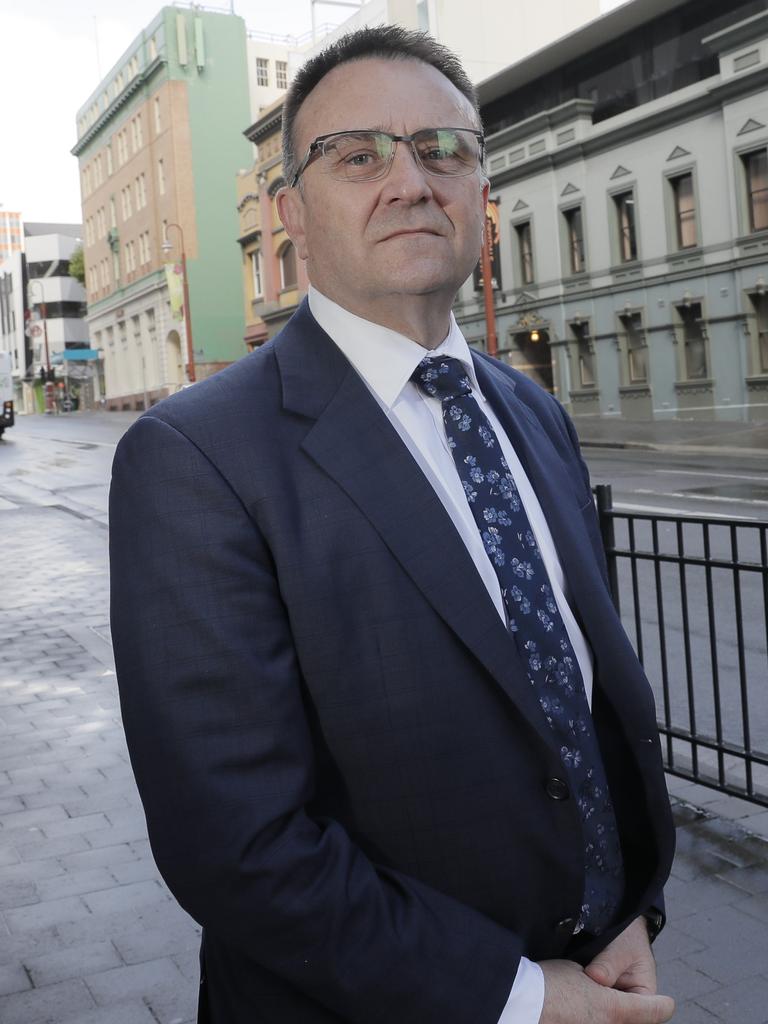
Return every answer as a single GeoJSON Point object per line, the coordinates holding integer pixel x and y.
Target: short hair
{"type": "Point", "coordinates": [391, 42]}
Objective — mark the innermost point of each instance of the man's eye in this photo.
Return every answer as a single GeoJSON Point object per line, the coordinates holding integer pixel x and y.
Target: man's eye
{"type": "Point", "coordinates": [436, 153]}
{"type": "Point", "coordinates": [360, 158]}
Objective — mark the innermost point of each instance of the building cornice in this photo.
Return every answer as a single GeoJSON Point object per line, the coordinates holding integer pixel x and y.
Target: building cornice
{"type": "Point", "coordinates": [266, 125]}
{"type": "Point", "coordinates": [750, 30]}
{"type": "Point", "coordinates": [712, 98]}
{"type": "Point", "coordinates": [142, 78]}
{"type": "Point", "coordinates": [135, 290]}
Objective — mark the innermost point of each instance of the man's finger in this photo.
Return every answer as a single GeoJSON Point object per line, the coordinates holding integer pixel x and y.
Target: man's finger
{"type": "Point", "coordinates": [642, 1009]}
{"type": "Point", "coordinates": [604, 971]}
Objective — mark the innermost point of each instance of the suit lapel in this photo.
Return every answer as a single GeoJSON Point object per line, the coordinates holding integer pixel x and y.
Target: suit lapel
{"type": "Point", "coordinates": [355, 444]}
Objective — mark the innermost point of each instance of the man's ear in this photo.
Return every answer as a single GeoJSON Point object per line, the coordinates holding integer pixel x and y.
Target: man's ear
{"type": "Point", "coordinates": [291, 209]}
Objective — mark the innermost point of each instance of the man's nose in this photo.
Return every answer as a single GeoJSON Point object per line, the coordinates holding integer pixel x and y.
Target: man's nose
{"type": "Point", "coordinates": [407, 180]}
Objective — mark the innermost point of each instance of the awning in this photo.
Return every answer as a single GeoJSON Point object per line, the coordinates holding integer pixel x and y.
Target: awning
{"type": "Point", "coordinates": [79, 354]}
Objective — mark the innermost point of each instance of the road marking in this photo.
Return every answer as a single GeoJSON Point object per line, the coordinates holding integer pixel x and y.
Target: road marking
{"type": "Point", "coordinates": [623, 506]}
{"type": "Point", "coordinates": [700, 497]}
{"type": "Point", "coordinates": [63, 440]}
{"type": "Point", "coordinates": [720, 476]}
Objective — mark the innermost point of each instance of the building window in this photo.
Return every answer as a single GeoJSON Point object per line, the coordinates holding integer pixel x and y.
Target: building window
{"type": "Point", "coordinates": [258, 288]}
{"type": "Point", "coordinates": [281, 74]}
{"type": "Point", "coordinates": [157, 115]}
{"type": "Point", "coordinates": [574, 226]}
{"type": "Point", "coordinates": [585, 354]}
{"type": "Point", "coordinates": [760, 302]}
{"type": "Point", "coordinates": [525, 251]}
{"type": "Point", "coordinates": [685, 211]}
{"type": "Point", "coordinates": [161, 177]}
{"type": "Point", "coordinates": [637, 351]}
{"type": "Point", "coordinates": [694, 341]}
{"type": "Point", "coordinates": [288, 266]}
{"type": "Point", "coordinates": [109, 160]}
{"type": "Point", "coordinates": [627, 237]}
{"type": "Point", "coordinates": [262, 71]}
{"type": "Point", "coordinates": [756, 170]}
{"type": "Point", "coordinates": [152, 48]}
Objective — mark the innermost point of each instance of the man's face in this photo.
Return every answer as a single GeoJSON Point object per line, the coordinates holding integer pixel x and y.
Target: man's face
{"type": "Point", "coordinates": [409, 233]}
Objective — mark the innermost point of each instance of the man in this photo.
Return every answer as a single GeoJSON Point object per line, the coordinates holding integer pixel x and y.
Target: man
{"type": "Point", "coordinates": [372, 679]}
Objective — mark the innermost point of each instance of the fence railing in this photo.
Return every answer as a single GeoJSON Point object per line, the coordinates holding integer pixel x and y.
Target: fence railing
{"type": "Point", "coordinates": [693, 596]}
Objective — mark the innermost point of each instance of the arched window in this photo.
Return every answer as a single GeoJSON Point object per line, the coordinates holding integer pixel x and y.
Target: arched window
{"type": "Point", "coordinates": [287, 266]}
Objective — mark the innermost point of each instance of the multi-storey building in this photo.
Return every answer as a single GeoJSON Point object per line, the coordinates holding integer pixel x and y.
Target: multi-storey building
{"type": "Point", "coordinates": [11, 237]}
{"type": "Point", "coordinates": [159, 143]}
{"type": "Point", "coordinates": [42, 317]}
{"type": "Point", "coordinates": [629, 165]}
{"type": "Point", "coordinates": [274, 279]}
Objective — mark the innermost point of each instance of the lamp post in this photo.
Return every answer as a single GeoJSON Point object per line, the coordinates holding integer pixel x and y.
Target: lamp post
{"type": "Point", "coordinates": [48, 381]}
{"type": "Point", "coordinates": [166, 247]}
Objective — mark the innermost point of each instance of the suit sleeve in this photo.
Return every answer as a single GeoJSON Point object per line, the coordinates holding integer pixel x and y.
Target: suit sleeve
{"type": "Point", "coordinates": [213, 709]}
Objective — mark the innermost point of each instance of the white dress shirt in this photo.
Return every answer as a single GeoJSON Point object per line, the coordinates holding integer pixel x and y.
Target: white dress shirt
{"type": "Point", "coordinates": [385, 360]}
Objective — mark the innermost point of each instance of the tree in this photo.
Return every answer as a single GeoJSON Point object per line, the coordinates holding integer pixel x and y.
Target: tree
{"type": "Point", "coordinates": [77, 265]}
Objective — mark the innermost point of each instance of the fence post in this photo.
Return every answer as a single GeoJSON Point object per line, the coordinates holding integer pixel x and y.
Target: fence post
{"type": "Point", "coordinates": [604, 498]}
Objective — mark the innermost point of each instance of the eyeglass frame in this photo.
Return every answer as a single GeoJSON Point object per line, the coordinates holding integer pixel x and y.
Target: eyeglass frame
{"type": "Point", "coordinates": [317, 145]}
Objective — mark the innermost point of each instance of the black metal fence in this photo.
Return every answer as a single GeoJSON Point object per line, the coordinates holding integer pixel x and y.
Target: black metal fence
{"type": "Point", "coordinates": [693, 596]}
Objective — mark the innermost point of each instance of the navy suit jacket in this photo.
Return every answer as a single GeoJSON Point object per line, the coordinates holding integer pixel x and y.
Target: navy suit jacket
{"type": "Point", "coordinates": [343, 767]}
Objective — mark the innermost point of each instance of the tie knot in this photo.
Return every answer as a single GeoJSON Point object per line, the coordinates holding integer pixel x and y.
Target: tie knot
{"type": "Point", "coordinates": [442, 378]}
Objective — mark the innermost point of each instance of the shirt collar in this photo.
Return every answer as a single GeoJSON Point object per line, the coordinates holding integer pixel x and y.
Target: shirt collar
{"type": "Point", "coordinates": [383, 358]}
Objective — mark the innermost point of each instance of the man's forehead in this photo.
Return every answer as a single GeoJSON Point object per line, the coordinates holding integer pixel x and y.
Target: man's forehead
{"type": "Point", "coordinates": [382, 93]}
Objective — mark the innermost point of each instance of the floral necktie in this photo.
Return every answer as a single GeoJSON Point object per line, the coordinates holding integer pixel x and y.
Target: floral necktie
{"type": "Point", "coordinates": [538, 629]}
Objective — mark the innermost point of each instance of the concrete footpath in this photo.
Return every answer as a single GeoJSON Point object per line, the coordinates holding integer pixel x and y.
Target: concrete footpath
{"type": "Point", "coordinates": [88, 932]}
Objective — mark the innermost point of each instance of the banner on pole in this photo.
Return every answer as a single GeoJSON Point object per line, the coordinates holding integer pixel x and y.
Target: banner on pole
{"type": "Point", "coordinates": [174, 278]}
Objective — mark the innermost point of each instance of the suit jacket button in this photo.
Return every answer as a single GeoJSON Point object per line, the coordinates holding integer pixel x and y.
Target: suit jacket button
{"type": "Point", "coordinates": [557, 789]}
{"type": "Point", "coordinates": [565, 927]}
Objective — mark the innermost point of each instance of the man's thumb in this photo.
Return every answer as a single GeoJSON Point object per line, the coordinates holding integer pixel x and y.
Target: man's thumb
{"type": "Point", "coordinates": [602, 971]}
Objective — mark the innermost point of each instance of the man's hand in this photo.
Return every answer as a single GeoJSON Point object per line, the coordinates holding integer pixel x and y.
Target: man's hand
{"type": "Point", "coordinates": [627, 963]}
{"type": "Point", "coordinates": [618, 987]}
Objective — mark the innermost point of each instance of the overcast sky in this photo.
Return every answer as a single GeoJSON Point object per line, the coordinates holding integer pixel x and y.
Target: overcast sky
{"type": "Point", "coordinates": [53, 55]}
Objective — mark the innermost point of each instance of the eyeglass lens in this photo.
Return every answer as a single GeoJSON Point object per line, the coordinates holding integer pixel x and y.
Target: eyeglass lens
{"type": "Point", "coordinates": [361, 156]}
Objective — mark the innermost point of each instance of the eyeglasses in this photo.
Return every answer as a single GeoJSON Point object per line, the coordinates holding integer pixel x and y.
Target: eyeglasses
{"type": "Point", "coordinates": [367, 155]}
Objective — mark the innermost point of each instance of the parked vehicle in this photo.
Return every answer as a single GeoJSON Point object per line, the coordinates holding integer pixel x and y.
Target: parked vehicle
{"type": "Point", "coordinates": [6, 392]}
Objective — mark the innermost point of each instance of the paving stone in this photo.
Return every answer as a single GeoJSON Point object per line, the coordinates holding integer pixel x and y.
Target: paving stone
{"type": "Point", "coordinates": [75, 883]}
{"type": "Point", "coordinates": [752, 879]}
{"type": "Point", "coordinates": [175, 1007]}
{"type": "Point", "coordinates": [117, 834]}
{"type": "Point", "coordinates": [683, 981]}
{"type": "Point", "coordinates": [137, 947]}
{"type": "Point", "coordinates": [34, 816]}
{"type": "Point", "coordinates": [43, 847]}
{"type": "Point", "coordinates": [158, 976]}
{"type": "Point", "coordinates": [72, 962]}
{"type": "Point", "coordinates": [87, 857]}
{"type": "Point", "coordinates": [135, 1012]}
{"type": "Point", "coordinates": [42, 915]}
{"type": "Point", "coordinates": [46, 1005]}
{"type": "Point", "coordinates": [743, 1003]}
{"type": "Point", "coordinates": [125, 897]}
{"type": "Point", "coordinates": [76, 826]}
{"type": "Point", "coordinates": [136, 871]}
{"type": "Point", "coordinates": [692, 1013]}
{"type": "Point", "coordinates": [13, 978]}
{"type": "Point", "coordinates": [18, 894]}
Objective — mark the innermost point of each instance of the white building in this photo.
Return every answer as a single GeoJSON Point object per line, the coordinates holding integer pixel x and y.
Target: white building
{"type": "Point", "coordinates": [487, 35]}
{"type": "Point", "coordinates": [629, 165]}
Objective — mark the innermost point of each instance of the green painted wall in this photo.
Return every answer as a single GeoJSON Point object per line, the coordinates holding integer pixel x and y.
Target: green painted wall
{"type": "Point", "coordinates": [218, 111]}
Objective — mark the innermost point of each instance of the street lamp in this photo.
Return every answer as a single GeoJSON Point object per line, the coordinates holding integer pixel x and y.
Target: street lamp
{"type": "Point", "coordinates": [44, 310]}
{"type": "Point", "coordinates": [166, 247]}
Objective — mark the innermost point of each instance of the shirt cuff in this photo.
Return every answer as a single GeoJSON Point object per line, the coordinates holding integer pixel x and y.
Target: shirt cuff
{"type": "Point", "coordinates": [526, 1000]}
